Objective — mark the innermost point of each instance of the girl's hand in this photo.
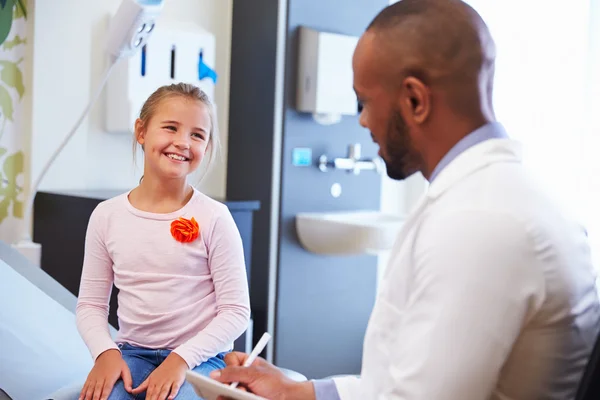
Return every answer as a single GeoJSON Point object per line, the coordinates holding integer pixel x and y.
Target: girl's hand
{"type": "Point", "coordinates": [166, 380]}
{"type": "Point", "coordinates": [109, 367]}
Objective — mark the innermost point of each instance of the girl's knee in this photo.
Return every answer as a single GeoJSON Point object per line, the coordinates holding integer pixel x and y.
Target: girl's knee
{"type": "Point", "coordinates": [119, 392]}
{"type": "Point", "coordinates": [210, 365]}
{"type": "Point", "coordinates": [187, 392]}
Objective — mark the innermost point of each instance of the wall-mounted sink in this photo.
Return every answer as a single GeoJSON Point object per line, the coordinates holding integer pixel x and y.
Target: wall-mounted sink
{"type": "Point", "coordinates": [348, 232]}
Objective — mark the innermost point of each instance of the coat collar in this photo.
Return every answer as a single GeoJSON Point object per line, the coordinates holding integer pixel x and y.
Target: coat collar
{"type": "Point", "coordinates": [490, 130]}
{"type": "Point", "coordinates": [473, 159]}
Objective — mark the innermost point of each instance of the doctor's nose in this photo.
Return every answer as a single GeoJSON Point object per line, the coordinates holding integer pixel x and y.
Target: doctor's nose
{"type": "Point", "coordinates": [362, 119]}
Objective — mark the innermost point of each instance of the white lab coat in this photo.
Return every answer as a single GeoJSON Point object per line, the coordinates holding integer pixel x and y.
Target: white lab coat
{"type": "Point", "coordinates": [489, 293]}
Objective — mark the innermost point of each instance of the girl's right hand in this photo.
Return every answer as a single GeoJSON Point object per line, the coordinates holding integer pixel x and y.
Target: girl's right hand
{"type": "Point", "coordinates": [109, 367]}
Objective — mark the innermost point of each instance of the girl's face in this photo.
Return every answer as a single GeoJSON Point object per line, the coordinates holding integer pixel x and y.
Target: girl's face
{"type": "Point", "coordinates": [175, 138]}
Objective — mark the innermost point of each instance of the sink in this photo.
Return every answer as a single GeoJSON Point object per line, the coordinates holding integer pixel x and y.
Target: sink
{"type": "Point", "coordinates": [348, 232]}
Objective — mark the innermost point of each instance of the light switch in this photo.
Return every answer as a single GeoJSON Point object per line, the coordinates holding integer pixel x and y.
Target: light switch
{"type": "Point", "coordinates": [301, 157]}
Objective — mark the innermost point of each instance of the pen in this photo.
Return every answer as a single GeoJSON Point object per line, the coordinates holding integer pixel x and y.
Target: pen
{"type": "Point", "coordinates": [255, 352]}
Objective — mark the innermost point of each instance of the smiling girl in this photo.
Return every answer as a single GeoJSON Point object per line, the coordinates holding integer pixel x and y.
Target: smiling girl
{"type": "Point", "coordinates": [176, 257]}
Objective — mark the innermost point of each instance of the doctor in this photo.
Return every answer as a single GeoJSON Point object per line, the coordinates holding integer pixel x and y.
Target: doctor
{"type": "Point", "coordinates": [490, 292]}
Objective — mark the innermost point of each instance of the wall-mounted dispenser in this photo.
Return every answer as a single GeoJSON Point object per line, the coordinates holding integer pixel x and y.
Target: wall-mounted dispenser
{"type": "Point", "coordinates": [324, 84]}
{"type": "Point", "coordinates": [170, 56]}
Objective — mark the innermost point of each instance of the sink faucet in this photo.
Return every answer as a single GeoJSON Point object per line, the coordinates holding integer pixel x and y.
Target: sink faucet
{"type": "Point", "coordinates": [352, 163]}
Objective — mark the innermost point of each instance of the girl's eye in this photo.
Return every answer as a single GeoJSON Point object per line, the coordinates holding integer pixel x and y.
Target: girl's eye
{"type": "Point", "coordinates": [171, 128]}
{"type": "Point", "coordinates": [198, 135]}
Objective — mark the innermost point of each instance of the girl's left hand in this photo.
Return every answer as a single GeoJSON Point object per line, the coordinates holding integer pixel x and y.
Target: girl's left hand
{"type": "Point", "coordinates": [166, 380]}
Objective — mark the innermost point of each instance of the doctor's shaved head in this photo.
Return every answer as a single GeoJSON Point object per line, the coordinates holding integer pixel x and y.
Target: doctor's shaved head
{"type": "Point", "coordinates": [441, 42]}
{"type": "Point", "coordinates": [423, 73]}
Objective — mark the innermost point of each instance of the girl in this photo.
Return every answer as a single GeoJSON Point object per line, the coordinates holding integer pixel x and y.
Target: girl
{"type": "Point", "coordinates": [176, 257]}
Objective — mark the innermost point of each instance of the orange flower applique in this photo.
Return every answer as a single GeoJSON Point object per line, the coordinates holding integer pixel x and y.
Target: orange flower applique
{"type": "Point", "coordinates": [185, 230]}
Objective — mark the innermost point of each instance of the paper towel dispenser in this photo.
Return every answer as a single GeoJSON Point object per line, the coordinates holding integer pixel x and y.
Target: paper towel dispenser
{"type": "Point", "coordinates": [324, 84]}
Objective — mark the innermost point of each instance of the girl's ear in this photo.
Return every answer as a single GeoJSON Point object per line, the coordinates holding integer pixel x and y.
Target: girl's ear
{"type": "Point", "coordinates": [139, 131]}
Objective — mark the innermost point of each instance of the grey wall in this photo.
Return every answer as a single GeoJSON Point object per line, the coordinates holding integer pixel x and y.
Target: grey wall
{"type": "Point", "coordinates": [322, 303]}
{"type": "Point", "coordinates": [250, 163]}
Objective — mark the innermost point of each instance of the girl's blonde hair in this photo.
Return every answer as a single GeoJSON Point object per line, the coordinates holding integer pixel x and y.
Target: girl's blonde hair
{"type": "Point", "coordinates": [189, 92]}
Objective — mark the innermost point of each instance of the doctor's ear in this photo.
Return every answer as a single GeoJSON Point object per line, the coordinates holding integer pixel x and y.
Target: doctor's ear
{"type": "Point", "coordinates": [415, 100]}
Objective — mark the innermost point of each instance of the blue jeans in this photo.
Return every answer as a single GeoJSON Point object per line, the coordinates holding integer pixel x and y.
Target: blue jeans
{"type": "Point", "coordinates": [142, 362]}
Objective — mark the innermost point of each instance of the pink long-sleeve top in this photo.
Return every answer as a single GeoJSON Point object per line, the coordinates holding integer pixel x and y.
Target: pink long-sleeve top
{"type": "Point", "coordinates": [191, 298]}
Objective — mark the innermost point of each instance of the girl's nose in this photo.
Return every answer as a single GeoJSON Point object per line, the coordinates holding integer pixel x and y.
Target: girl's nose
{"type": "Point", "coordinates": [181, 144]}
{"type": "Point", "coordinates": [182, 141]}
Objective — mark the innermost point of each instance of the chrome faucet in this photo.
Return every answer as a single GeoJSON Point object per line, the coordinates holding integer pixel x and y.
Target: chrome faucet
{"type": "Point", "coordinates": [352, 163]}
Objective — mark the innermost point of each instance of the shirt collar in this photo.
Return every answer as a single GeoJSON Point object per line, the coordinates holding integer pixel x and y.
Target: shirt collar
{"type": "Point", "coordinates": [492, 130]}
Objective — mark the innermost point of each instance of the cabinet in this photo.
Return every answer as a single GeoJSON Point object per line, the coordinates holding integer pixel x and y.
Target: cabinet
{"type": "Point", "coordinates": [60, 224]}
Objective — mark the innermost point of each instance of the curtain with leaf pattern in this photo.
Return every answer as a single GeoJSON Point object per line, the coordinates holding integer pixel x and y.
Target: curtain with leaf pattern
{"type": "Point", "coordinates": [13, 16]}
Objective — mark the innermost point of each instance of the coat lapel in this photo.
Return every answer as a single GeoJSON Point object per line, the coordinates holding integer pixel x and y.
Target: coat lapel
{"type": "Point", "coordinates": [468, 162]}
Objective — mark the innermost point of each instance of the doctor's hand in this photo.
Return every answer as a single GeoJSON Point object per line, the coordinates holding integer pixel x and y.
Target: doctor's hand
{"type": "Point", "coordinates": [262, 379]}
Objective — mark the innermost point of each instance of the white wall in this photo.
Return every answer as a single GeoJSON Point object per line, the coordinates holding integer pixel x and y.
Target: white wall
{"type": "Point", "coordinates": [591, 142]}
{"type": "Point", "coordinates": [68, 61]}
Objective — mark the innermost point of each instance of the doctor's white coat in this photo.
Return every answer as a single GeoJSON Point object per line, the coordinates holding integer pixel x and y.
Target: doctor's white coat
{"type": "Point", "coordinates": [489, 292]}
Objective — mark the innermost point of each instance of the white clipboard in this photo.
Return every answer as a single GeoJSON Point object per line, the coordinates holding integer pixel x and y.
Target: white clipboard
{"type": "Point", "coordinates": [210, 389]}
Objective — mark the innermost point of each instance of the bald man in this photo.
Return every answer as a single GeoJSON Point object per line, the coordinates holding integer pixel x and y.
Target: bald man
{"type": "Point", "coordinates": [489, 292]}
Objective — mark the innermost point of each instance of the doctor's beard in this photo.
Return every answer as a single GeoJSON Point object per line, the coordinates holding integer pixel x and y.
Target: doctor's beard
{"type": "Point", "coordinates": [400, 156]}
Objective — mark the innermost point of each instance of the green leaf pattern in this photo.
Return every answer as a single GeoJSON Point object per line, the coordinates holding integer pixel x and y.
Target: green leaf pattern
{"type": "Point", "coordinates": [6, 18]}
{"type": "Point", "coordinates": [12, 76]}
{"type": "Point", "coordinates": [13, 167]}
{"type": "Point", "coordinates": [6, 105]}
{"type": "Point", "coordinates": [12, 88]}
{"type": "Point", "coordinates": [19, 11]}
{"type": "Point", "coordinates": [10, 44]}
